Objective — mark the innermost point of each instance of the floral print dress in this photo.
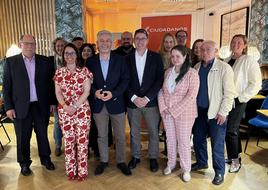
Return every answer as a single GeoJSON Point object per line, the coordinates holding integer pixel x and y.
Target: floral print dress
{"type": "Point", "coordinates": [75, 128]}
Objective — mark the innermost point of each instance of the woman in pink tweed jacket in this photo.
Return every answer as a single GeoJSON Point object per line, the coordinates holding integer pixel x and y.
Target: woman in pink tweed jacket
{"type": "Point", "coordinates": [178, 109]}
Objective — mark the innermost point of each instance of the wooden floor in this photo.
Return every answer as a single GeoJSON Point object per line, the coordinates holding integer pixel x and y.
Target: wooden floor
{"type": "Point", "coordinates": [253, 174]}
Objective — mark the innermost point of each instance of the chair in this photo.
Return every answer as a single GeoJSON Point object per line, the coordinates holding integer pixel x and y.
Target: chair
{"type": "Point", "coordinates": [2, 118]}
{"type": "Point", "coordinates": [259, 122]}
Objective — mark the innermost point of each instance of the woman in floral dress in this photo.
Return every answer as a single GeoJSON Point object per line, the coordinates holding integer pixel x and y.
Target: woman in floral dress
{"type": "Point", "coordinates": [72, 85]}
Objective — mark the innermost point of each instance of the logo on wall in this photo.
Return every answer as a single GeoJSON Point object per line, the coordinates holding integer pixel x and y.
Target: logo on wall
{"type": "Point", "coordinates": [159, 25]}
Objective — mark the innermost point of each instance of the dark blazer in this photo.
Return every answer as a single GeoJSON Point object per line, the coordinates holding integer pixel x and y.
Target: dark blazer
{"type": "Point", "coordinates": [152, 80]}
{"type": "Point", "coordinates": [16, 85]}
{"type": "Point", "coordinates": [117, 81]}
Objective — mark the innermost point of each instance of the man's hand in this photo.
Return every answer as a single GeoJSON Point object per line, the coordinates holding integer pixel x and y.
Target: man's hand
{"type": "Point", "coordinates": [11, 114]}
{"type": "Point", "coordinates": [53, 108]}
{"type": "Point", "coordinates": [107, 95]}
{"type": "Point", "coordinates": [140, 102]}
{"type": "Point", "coordinates": [99, 94]}
{"type": "Point", "coordinates": [220, 119]}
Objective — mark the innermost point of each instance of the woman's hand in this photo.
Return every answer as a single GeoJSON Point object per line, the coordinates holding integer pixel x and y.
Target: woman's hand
{"type": "Point", "coordinates": [69, 109]}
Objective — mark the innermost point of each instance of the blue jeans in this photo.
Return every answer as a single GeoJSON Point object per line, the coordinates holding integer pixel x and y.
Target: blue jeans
{"type": "Point", "coordinates": [203, 128]}
{"type": "Point", "coordinates": [57, 133]}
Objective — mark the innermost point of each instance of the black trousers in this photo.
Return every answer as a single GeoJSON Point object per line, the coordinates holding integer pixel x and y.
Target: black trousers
{"type": "Point", "coordinates": [232, 139]}
{"type": "Point", "coordinates": [23, 129]}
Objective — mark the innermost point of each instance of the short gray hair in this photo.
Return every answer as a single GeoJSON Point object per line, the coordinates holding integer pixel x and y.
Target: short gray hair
{"type": "Point", "coordinates": [104, 32]}
{"type": "Point", "coordinates": [211, 42]}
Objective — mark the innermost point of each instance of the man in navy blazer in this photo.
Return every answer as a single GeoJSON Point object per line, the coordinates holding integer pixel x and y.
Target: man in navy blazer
{"type": "Point", "coordinates": [146, 78]}
{"type": "Point", "coordinates": [28, 93]}
{"type": "Point", "coordinates": [110, 81]}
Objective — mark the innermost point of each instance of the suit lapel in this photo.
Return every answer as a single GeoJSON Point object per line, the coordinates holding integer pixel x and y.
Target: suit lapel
{"type": "Point", "coordinates": [111, 62]}
{"type": "Point", "coordinates": [22, 67]}
{"type": "Point", "coordinates": [133, 64]}
{"type": "Point", "coordinates": [37, 68]}
{"type": "Point", "coordinates": [98, 68]}
{"type": "Point", "coordinates": [146, 67]}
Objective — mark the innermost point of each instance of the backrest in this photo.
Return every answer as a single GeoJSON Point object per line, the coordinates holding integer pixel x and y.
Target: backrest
{"type": "Point", "coordinates": [265, 103]}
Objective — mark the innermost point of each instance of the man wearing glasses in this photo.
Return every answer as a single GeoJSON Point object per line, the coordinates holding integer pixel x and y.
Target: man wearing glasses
{"type": "Point", "coordinates": [28, 99]}
{"type": "Point", "coordinates": [146, 78]}
{"type": "Point", "coordinates": [126, 47]}
{"type": "Point", "coordinates": [181, 36]}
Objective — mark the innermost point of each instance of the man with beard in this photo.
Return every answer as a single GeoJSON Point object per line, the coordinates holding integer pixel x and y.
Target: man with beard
{"type": "Point", "coordinates": [126, 44]}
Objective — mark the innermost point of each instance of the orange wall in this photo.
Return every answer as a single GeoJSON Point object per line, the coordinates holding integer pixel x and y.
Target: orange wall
{"type": "Point", "coordinates": [203, 26]}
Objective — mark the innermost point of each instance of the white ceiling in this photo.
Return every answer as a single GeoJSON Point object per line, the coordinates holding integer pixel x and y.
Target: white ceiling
{"type": "Point", "coordinates": [151, 6]}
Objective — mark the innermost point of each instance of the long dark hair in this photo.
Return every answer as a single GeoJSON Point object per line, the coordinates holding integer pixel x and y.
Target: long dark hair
{"type": "Point", "coordinates": [187, 63]}
{"type": "Point", "coordinates": [82, 48]}
{"type": "Point", "coordinates": [78, 62]}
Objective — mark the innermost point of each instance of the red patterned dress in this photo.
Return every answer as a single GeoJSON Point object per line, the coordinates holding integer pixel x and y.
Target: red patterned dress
{"type": "Point", "coordinates": [75, 128]}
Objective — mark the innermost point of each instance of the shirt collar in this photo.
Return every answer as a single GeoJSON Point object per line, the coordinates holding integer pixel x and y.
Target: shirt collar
{"type": "Point", "coordinates": [210, 63]}
{"type": "Point", "coordinates": [27, 59]}
{"type": "Point", "coordinates": [145, 53]}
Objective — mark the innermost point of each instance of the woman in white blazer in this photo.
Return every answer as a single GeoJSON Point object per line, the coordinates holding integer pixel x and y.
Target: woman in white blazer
{"type": "Point", "coordinates": [247, 79]}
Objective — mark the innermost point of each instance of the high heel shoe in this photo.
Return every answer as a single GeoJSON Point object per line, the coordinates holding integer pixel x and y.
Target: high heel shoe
{"type": "Point", "coordinates": [81, 178]}
{"type": "Point", "coordinates": [71, 176]}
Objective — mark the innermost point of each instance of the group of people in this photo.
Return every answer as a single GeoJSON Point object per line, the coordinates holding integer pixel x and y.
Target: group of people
{"type": "Point", "coordinates": [191, 90]}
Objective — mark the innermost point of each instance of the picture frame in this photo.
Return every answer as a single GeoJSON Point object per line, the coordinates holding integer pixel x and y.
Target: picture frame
{"type": "Point", "coordinates": [232, 23]}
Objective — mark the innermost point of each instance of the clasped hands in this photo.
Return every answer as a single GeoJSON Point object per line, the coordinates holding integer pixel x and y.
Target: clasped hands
{"type": "Point", "coordinates": [103, 95]}
{"type": "Point", "coordinates": [140, 102]}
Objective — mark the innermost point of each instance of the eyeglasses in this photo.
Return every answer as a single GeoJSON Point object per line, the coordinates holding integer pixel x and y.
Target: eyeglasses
{"type": "Point", "coordinates": [126, 38]}
{"type": "Point", "coordinates": [179, 36]}
{"type": "Point", "coordinates": [140, 39]}
{"type": "Point", "coordinates": [72, 54]}
{"type": "Point", "coordinates": [28, 43]}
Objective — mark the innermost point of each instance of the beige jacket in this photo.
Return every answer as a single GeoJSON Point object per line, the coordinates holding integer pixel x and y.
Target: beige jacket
{"type": "Point", "coordinates": [221, 89]}
{"type": "Point", "coordinates": [247, 77]}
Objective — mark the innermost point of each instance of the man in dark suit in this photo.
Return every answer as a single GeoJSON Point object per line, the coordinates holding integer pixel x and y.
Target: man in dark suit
{"type": "Point", "coordinates": [146, 78]}
{"type": "Point", "coordinates": [126, 47]}
{"type": "Point", "coordinates": [28, 94]}
{"type": "Point", "coordinates": [110, 82]}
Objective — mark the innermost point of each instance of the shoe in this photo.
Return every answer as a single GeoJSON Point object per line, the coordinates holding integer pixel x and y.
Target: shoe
{"type": "Point", "coordinates": [124, 169]}
{"type": "Point", "coordinates": [186, 176]}
{"type": "Point", "coordinates": [133, 163]}
{"type": "Point", "coordinates": [235, 166]}
{"type": "Point", "coordinates": [228, 161]}
{"type": "Point", "coordinates": [100, 168]}
{"type": "Point", "coordinates": [81, 178]}
{"type": "Point", "coordinates": [71, 176]}
{"type": "Point", "coordinates": [48, 164]}
{"type": "Point", "coordinates": [58, 152]}
{"type": "Point", "coordinates": [153, 165]}
{"type": "Point", "coordinates": [25, 170]}
{"type": "Point", "coordinates": [218, 179]}
{"type": "Point", "coordinates": [167, 170]}
{"type": "Point", "coordinates": [196, 167]}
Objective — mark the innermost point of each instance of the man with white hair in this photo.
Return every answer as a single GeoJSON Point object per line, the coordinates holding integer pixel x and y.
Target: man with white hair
{"type": "Point", "coordinates": [214, 101]}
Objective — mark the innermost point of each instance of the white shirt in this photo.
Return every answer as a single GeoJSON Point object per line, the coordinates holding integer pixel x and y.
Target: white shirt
{"type": "Point", "coordinates": [140, 64]}
{"type": "Point", "coordinates": [171, 83]}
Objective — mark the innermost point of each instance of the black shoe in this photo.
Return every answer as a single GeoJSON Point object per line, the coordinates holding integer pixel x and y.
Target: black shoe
{"type": "Point", "coordinates": [100, 168]}
{"type": "Point", "coordinates": [133, 163]}
{"type": "Point", "coordinates": [153, 165]}
{"type": "Point", "coordinates": [25, 170]}
{"type": "Point", "coordinates": [124, 169]}
{"type": "Point", "coordinates": [196, 167]}
{"type": "Point", "coordinates": [48, 164]}
{"type": "Point", "coordinates": [58, 152]}
{"type": "Point", "coordinates": [228, 161]}
{"type": "Point", "coordinates": [218, 179]}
